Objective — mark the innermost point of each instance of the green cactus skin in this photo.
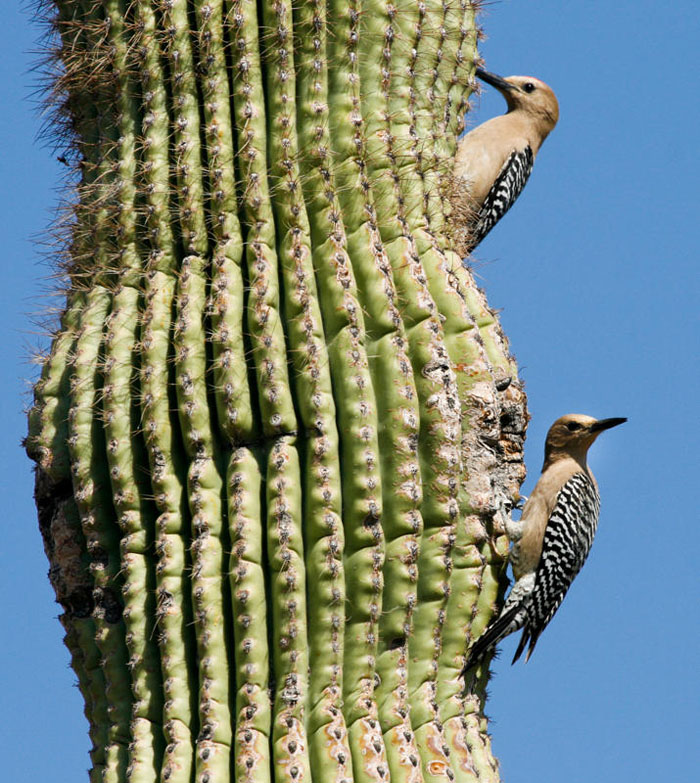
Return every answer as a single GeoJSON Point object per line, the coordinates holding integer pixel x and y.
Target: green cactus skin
{"type": "Point", "coordinates": [126, 454]}
{"type": "Point", "coordinates": [87, 439]}
{"type": "Point", "coordinates": [252, 713]}
{"type": "Point", "coordinates": [278, 429]}
{"type": "Point", "coordinates": [91, 482]}
{"type": "Point", "coordinates": [174, 613]}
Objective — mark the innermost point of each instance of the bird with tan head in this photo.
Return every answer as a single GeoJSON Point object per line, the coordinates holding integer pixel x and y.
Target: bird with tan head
{"type": "Point", "coordinates": [494, 160]}
{"type": "Point", "coordinates": [552, 539]}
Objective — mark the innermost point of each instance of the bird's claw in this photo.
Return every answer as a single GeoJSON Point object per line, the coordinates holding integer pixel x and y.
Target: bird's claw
{"type": "Point", "coordinates": [519, 503]}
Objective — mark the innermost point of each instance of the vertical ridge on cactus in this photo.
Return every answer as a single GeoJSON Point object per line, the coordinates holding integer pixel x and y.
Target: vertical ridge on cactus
{"type": "Point", "coordinates": [278, 429]}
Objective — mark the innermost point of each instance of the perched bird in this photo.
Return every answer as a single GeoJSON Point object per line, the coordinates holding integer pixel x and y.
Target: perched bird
{"type": "Point", "coordinates": [493, 161]}
{"type": "Point", "coordinates": [551, 540]}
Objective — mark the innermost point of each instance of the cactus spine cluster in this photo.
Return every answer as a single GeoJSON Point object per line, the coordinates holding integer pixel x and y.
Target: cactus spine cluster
{"type": "Point", "coordinates": [278, 428]}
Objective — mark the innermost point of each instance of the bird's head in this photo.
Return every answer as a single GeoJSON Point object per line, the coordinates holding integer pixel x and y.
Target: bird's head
{"type": "Point", "coordinates": [572, 435]}
{"type": "Point", "coordinates": [527, 94]}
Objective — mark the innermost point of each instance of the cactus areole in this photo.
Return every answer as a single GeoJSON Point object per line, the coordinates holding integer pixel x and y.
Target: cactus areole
{"type": "Point", "coordinates": [278, 429]}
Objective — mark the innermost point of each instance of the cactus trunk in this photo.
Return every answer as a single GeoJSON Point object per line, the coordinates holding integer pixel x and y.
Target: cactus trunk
{"type": "Point", "coordinates": [278, 428]}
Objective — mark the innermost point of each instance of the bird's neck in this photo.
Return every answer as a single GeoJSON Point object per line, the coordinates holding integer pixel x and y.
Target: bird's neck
{"type": "Point", "coordinates": [577, 456]}
{"type": "Point", "coordinates": [538, 125]}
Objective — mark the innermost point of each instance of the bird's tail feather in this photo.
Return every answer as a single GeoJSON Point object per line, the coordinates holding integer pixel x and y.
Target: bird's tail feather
{"type": "Point", "coordinates": [529, 636]}
{"type": "Point", "coordinates": [524, 639]}
{"type": "Point", "coordinates": [506, 623]}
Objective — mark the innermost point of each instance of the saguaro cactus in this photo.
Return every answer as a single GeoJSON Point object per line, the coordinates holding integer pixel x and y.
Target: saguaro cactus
{"type": "Point", "coordinates": [278, 428]}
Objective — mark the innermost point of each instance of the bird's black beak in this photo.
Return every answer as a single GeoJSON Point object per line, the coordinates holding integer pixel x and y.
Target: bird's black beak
{"type": "Point", "coordinates": [495, 81]}
{"type": "Point", "coordinates": [606, 424]}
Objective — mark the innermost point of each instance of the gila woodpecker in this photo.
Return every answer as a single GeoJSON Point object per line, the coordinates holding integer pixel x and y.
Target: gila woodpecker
{"type": "Point", "coordinates": [551, 540]}
{"type": "Point", "coordinates": [493, 161]}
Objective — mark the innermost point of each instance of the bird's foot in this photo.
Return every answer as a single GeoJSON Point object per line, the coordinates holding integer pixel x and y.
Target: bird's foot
{"type": "Point", "coordinates": [519, 503]}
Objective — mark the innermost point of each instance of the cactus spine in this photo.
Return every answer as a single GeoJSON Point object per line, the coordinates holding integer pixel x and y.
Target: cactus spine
{"type": "Point", "coordinates": [278, 428]}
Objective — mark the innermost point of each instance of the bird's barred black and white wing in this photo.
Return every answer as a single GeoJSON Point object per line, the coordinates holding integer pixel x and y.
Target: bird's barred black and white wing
{"type": "Point", "coordinates": [567, 541]}
{"type": "Point", "coordinates": [505, 190]}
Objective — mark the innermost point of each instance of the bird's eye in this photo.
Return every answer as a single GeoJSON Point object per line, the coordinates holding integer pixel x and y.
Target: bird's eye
{"type": "Point", "coordinates": [529, 87]}
{"type": "Point", "coordinates": [572, 426]}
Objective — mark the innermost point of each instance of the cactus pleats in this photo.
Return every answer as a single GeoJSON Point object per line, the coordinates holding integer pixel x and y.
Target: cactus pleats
{"type": "Point", "coordinates": [278, 427]}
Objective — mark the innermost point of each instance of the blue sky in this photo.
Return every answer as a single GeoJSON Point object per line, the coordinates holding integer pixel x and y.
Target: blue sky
{"type": "Point", "coordinates": [595, 273]}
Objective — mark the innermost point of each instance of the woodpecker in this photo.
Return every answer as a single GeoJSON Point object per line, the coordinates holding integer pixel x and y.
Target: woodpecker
{"type": "Point", "coordinates": [551, 540]}
{"type": "Point", "coordinates": [493, 161]}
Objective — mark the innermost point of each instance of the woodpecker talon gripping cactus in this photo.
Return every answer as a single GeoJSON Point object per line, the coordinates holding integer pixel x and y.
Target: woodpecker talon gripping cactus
{"type": "Point", "coordinates": [272, 436]}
